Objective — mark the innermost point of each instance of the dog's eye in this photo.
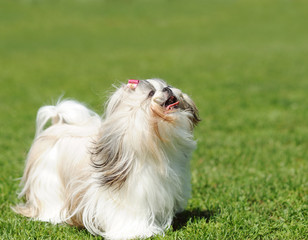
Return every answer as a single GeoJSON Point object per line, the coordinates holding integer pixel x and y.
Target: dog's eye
{"type": "Point", "coordinates": [151, 94]}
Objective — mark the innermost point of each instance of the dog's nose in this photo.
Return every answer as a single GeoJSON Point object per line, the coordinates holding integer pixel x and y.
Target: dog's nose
{"type": "Point", "coordinates": [168, 90]}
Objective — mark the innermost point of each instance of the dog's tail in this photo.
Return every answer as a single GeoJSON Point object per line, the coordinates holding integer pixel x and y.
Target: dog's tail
{"type": "Point", "coordinates": [64, 112]}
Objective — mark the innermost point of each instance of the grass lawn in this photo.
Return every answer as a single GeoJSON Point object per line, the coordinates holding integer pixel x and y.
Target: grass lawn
{"type": "Point", "coordinates": [244, 62]}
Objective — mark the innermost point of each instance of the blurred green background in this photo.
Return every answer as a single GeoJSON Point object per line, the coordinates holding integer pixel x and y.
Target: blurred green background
{"type": "Point", "coordinates": [243, 62]}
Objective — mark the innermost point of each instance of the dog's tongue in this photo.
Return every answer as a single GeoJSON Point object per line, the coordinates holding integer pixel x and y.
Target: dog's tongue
{"type": "Point", "coordinates": [172, 105]}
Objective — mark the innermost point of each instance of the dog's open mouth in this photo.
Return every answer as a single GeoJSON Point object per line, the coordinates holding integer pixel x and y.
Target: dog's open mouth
{"type": "Point", "coordinates": [171, 103]}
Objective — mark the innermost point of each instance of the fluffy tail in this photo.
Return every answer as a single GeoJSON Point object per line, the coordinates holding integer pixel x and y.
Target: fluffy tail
{"type": "Point", "coordinates": [66, 111]}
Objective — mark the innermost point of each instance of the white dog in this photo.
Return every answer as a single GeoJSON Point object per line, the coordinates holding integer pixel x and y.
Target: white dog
{"type": "Point", "coordinates": [121, 177]}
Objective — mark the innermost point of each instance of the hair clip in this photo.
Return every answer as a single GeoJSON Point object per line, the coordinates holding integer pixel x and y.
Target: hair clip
{"type": "Point", "coordinates": [132, 83]}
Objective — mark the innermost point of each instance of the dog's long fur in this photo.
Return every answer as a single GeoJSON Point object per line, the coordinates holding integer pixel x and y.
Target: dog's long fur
{"type": "Point", "coordinates": [121, 176]}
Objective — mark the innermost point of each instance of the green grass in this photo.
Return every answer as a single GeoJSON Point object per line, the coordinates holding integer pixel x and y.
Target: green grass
{"type": "Point", "coordinates": [243, 62]}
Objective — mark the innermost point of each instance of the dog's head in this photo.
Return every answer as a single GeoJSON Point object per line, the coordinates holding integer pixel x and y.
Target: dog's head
{"type": "Point", "coordinates": [155, 99]}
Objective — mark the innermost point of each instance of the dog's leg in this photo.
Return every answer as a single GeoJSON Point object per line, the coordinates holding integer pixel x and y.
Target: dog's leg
{"type": "Point", "coordinates": [43, 189]}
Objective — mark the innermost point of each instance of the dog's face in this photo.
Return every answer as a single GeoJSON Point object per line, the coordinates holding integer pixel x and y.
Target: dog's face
{"type": "Point", "coordinates": [156, 99]}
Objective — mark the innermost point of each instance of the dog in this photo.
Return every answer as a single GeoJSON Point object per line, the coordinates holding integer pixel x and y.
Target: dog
{"type": "Point", "coordinates": [123, 175]}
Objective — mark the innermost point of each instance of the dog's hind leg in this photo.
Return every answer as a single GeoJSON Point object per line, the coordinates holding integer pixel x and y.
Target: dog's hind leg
{"type": "Point", "coordinates": [43, 189]}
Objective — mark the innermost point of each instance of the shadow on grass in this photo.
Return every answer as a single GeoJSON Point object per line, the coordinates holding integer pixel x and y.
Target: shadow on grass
{"type": "Point", "coordinates": [181, 219]}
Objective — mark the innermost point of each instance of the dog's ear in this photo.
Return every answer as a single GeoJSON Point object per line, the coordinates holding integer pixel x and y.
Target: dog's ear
{"type": "Point", "coordinates": [189, 105]}
{"type": "Point", "coordinates": [110, 158]}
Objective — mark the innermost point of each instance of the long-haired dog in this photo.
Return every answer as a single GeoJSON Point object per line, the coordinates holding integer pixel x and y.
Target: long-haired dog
{"type": "Point", "coordinates": [121, 176]}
